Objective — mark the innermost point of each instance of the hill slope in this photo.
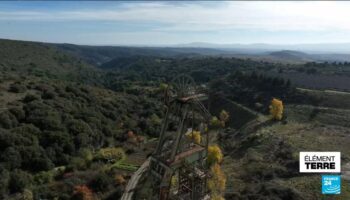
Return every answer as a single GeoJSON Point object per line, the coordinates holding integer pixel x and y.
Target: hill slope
{"type": "Point", "coordinates": [38, 58]}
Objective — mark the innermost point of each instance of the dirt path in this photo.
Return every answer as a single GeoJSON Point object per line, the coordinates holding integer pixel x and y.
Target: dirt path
{"type": "Point", "coordinates": [129, 190]}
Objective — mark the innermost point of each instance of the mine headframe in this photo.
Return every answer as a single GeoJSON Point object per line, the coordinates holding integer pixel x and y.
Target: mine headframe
{"type": "Point", "coordinates": [178, 165]}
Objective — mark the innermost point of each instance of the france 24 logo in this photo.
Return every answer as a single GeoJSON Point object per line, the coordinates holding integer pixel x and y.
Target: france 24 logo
{"type": "Point", "coordinates": [331, 184]}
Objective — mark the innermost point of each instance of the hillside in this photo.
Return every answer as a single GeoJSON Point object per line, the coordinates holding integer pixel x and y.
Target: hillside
{"type": "Point", "coordinates": [39, 59]}
{"type": "Point", "coordinates": [262, 157]}
{"type": "Point", "coordinates": [264, 163]}
{"type": "Point", "coordinates": [55, 117]}
{"type": "Point", "coordinates": [69, 128]}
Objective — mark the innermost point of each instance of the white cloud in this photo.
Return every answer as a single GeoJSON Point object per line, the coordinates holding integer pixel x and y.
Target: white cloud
{"type": "Point", "coordinates": [269, 16]}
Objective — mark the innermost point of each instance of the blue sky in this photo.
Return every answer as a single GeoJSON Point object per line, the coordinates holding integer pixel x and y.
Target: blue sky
{"type": "Point", "coordinates": [167, 23]}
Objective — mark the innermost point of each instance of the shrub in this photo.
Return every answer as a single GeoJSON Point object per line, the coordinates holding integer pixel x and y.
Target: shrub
{"type": "Point", "coordinates": [43, 177]}
{"type": "Point", "coordinates": [111, 154]}
{"type": "Point", "coordinates": [48, 94]}
{"type": "Point", "coordinates": [7, 120]}
{"type": "Point", "coordinates": [17, 88]}
{"type": "Point", "coordinates": [214, 154]}
{"type": "Point", "coordinates": [4, 181]}
{"type": "Point", "coordinates": [27, 195]}
{"type": "Point", "coordinates": [18, 113]}
{"type": "Point", "coordinates": [217, 182]}
{"type": "Point", "coordinates": [77, 164]}
{"type": "Point", "coordinates": [11, 157]}
{"type": "Point", "coordinates": [101, 182]}
{"type": "Point", "coordinates": [195, 136]}
{"type": "Point", "coordinates": [19, 180]}
{"type": "Point", "coordinates": [215, 122]}
{"type": "Point", "coordinates": [224, 116]}
{"type": "Point", "coordinates": [82, 192]}
{"type": "Point", "coordinates": [30, 97]}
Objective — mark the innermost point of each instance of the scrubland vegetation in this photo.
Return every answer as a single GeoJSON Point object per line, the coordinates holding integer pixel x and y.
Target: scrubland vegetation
{"type": "Point", "coordinates": [73, 130]}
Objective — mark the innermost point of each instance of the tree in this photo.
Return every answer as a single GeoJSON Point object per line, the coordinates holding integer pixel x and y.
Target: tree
{"type": "Point", "coordinates": [215, 122]}
{"type": "Point", "coordinates": [44, 177]}
{"type": "Point", "coordinates": [214, 154]}
{"type": "Point", "coordinates": [276, 109]}
{"type": "Point", "coordinates": [77, 163]}
{"type": "Point", "coordinates": [11, 157]}
{"type": "Point", "coordinates": [131, 135]}
{"type": "Point", "coordinates": [4, 181]}
{"type": "Point", "coordinates": [82, 192]}
{"type": "Point", "coordinates": [224, 116]}
{"type": "Point", "coordinates": [195, 136]}
{"type": "Point", "coordinates": [19, 180]}
{"type": "Point", "coordinates": [86, 154]}
{"type": "Point", "coordinates": [101, 182]}
{"type": "Point", "coordinates": [217, 182]}
{"type": "Point", "coordinates": [174, 181]}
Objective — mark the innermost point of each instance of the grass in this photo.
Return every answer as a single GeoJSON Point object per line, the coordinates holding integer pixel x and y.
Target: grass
{"type": "Point", "coordinates": [121, 164]}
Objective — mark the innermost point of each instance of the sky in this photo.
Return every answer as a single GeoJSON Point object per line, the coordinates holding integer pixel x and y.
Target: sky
{"type": "Point", "coordinates": [168, 23]}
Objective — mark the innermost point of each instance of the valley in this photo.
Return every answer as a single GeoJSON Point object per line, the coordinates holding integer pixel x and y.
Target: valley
{"type": "Point", "coordinates": [77, 121]}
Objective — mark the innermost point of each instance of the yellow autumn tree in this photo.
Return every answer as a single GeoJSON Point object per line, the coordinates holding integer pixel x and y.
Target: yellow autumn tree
{"type": "Point", "coordinates": [224, 116]}
{"type": "Point", "coordinates": [276, 109]}
{"type": "Point", "coordinates": [195, 136]}
{"type": "Point", "coordinates": [216, 197]}
{"type": "Point", "coordinates": [216, 182]}
{"type": "Point", "coordinates": [174, 181]}
{"type": "Point", "coordinates": [215, 122]}
{"type": "Point", "coordinates": [214, 154]}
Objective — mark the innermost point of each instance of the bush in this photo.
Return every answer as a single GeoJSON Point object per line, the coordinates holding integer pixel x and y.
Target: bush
{"type": "Point", "coordinates": [111, 154]}
{"type": "Point", "coordinates": [17, 88]}
{"type": "Point", "coordinates": [18, 113]}
{"type": "Point", "coordinates": [48, 94]}
{"type": "Point", "coordinates": [7, 120]}
{"type": "Point", "coordinates": [30, 97]}
{"type": "Point", "coordinates": [11, 157]}
{"type": "Point", "coordinates": [214, 154]}
{"type": "Point", "coordinates": [19, 180]}
{"type": "Point", "coordinates": [215, 122]}
{"type": "Point", "coordinates": [43, 177]}
{"type": "Point", "coordinates": [82, 192]}
{"type": "Point", "coordinates": [101, 182]}
{"type": "Point", "coordinates": [77, 164]}
{"type": "Point", "coordinates": [4, 180]}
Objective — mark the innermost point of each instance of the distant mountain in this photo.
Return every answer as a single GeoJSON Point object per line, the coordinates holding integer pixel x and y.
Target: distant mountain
{"type": "Point", "coordinates": [336, 48]}
{"type": "Point", "coordinates": [298, 56]}
{"type": "Point", "coordinates": [291, 55]}
{"type": "Point", "coordinates": [65, 54]}
{"type": "Point", "coordinates": [97, 55]}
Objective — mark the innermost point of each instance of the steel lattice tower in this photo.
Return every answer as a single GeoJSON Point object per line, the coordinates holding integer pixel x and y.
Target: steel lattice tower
{"type": "Point", "coordinates": [177, 155]}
